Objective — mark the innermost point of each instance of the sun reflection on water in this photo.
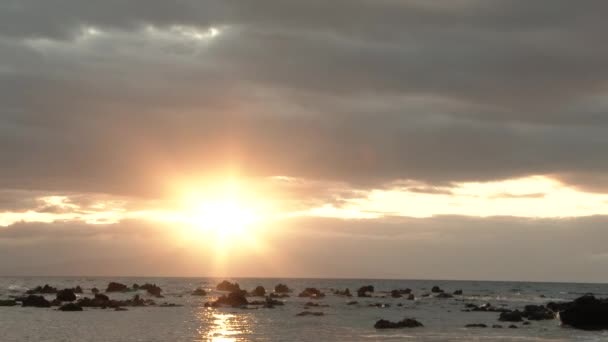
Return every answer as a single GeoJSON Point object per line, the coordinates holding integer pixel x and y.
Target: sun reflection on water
{"type": "Point", "coordinates": [223, 327]}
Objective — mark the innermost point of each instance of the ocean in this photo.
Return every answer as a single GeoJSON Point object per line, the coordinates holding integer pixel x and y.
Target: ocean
{"type": "Point", "coordinates": [443, 318]}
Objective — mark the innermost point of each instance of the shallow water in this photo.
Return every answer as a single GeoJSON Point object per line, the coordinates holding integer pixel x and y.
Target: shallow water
{"type": "Point", "coordinates": [442, 318]}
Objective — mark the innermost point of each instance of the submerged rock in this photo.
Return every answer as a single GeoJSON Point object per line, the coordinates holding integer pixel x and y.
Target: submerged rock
{"type": "Point", "coordinates": [511, 316]}
{"type": "Point", "coordinates": [458, 292]}
{"type": "Point", "coordinates": [310, 313]}
{"type": "Point", "coordinates": [476, 325]}
{"type": "Point", "coordinates": [487, 307]}
{"type": "Point", "coordinates": [94, 290]}
{"type": "Point", "coordinates": [116, 287]}
{"type": "Point", "coordinates": [345, 292]}
{"type": "Point", "coordinates": [365, 291]}
{"type": "Point", "coordinates": [311, 292]}
{"type": "Point", "coordinates": [444, 295]}
{"type": "Point", "coordinates": [71, 307]}
{"type": "Point", "coordinates": [396, 294]}
{"type": "Point", "coordinates": [354, 302]}
{"type": "Point", "coordinates": [199, 292]}
{"type": "Point", "coordinates": [8, 302]}
{"type": "Point", "coordinates": [36, 301]}
{"type": "Point", "coordinates": [405, 323]}
{"type": "Point", "coordinates": [410, 296]}
{"type": "Point", "coordinates": [586, 312]}
{"type": "Point", "coordinates": [228, 286]}
{"type": "Point", "coordinates": [66, 295]}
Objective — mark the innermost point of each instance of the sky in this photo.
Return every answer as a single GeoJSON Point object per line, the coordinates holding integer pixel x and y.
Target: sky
{"type": "Point", "coordinates": [460, 139]}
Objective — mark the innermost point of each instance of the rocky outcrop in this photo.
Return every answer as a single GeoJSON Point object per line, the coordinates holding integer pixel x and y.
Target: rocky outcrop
{"type": "Point", "coordinates": [116, 287]}
{"type": "Point", "coordinates": [585, 312]}
{"type": "Point", "coordinates": [405, 323]}
{"type": "Point", "coordinates": [228, 286]}
{"type": "Point", "coordinates": [396, 294]}
{"type": "Point", "coordinates": [46, 289]}
{"type": "Point", "coordinates": [35, 301]}
{"type": "Point", "coordinates": [538, 312]}
{"type": "Point", "coordinates": [312, 292]}
{"type": "Point", "coordinates": [436, 289]}
{"type": "Point", "coordinates": [259, 291]}
{"type": "Point", "coordinates": [365, 291]}
{"type": "Point", "coordinates": [458, 292]}
{"type": "Point", "coordinates": [281, 288]}
{"type": "Point", "coordinates": [511, 316]}
{"type": "Point", "coordinates": [234, 299]}
{"type": "Point", "coordinates": [152, 289]}
{"type": "Point", "coordinates": [66, 295]}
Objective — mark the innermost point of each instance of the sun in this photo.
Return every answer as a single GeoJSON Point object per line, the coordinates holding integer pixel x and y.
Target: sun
{"type": "Point", "coordinates": [224, 217]}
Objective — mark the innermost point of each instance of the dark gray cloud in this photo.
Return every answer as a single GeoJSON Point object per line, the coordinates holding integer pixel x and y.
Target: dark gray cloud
{"type": "Point", "coordinates": [443, 247]}
{"type": "Point", "coordinates": [360, 92]}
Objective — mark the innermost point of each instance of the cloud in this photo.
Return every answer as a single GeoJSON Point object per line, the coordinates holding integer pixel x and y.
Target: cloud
{"type": "Point", "coordinates": [442, 247]}
{"type": "Point", "coordinates": [119, 98]}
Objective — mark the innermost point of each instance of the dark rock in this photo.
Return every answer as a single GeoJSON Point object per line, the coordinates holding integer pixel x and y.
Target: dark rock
{"type": "Point", "coordinates": [526, 323]}
{"type": "Point", "coordinates": [538, 312]}
{"type": "Point", "coordinates": [152, 289]}
{"type": "Point", "coordinates": [8, 302]}
{"type": "Point", "coordinates": [170, 305]}
{"type": "Point", "coordinates": [379, 305]}
{"type": "Point", "coordinates": [405, 323]}
{"type": "Point", "coordinates": [396, 294]}
{"type": "Point", "coordinates": [511, 316]}
{"type": "Point", "coordinates": [425, 295]}
{"type": "Point", "coordinates": [586, 312]}
{"type": "Point", "coordinates": [116, 287]}
{"type": "Point", "coordinates": [66, 295]}
{"type": "Point", "coordinates": [410, 296]}
{"type": "Point", "coordinates": [310, 313]}
{"type": "Point", "coordinates": [476, 325]}
{"type": "Point", "coordinates": [487, 307]}
{"type": "Point", "coordinates": [234, 299]}
{"type": "Point", "coordinates": [135, 286]}
{"type": "Point", "coordinates": [354, 302]}
{"type": "Point", "coordinates": [458, 292]}
{"type": "Point", "coordinates": [345, 292]}
{"type": "Point", "coordinates": [46, 289]}
{"type": "Point", "coordinates": [436, 289]}
{"type": "Point", "coordinates": [95, 290]}
{"type": "Point", "coordinates": [281, 288]}
{"type": "Point", "coordinates": [77, 289]}
{"type": "Point", "coordinates": [444, 295]}
{"type": "Point", "coordinates": [199, 292]}
{"type": "Point", "coordinates": [497, 326]}
{"type": "Point", "coordinates": [102, 297]}
{"type": "Point", "coordinates": [259, 291]}
{"type": "Point", "coordinates": [311, 292]}
{"type": "Point", "coordinates": [228, 286]}
{"type": "Point", "coordinates": [316, 305]}
{"type": "Point", "coordinates": [512, 326]}
{"type": "Point", "coordinates": [279, 295]}
{"type": "Point", "coordinates": [365, 291]}
{"type": "Point", "coordinates": [56, 302]}
{"type": "Point", "coordinates": [70, 307]}
{"type": "Point", "coordinates": [36, 301]}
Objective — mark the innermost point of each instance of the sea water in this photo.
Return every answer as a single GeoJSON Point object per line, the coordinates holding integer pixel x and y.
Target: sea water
{"type": "Point", "coordinates": [443, 319]}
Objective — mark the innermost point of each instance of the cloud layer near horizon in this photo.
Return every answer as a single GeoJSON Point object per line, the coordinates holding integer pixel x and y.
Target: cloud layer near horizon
{"type": "Point", "coordinates": [446, 247]}
{"type": "Point", "coordinates": [115, 97]}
